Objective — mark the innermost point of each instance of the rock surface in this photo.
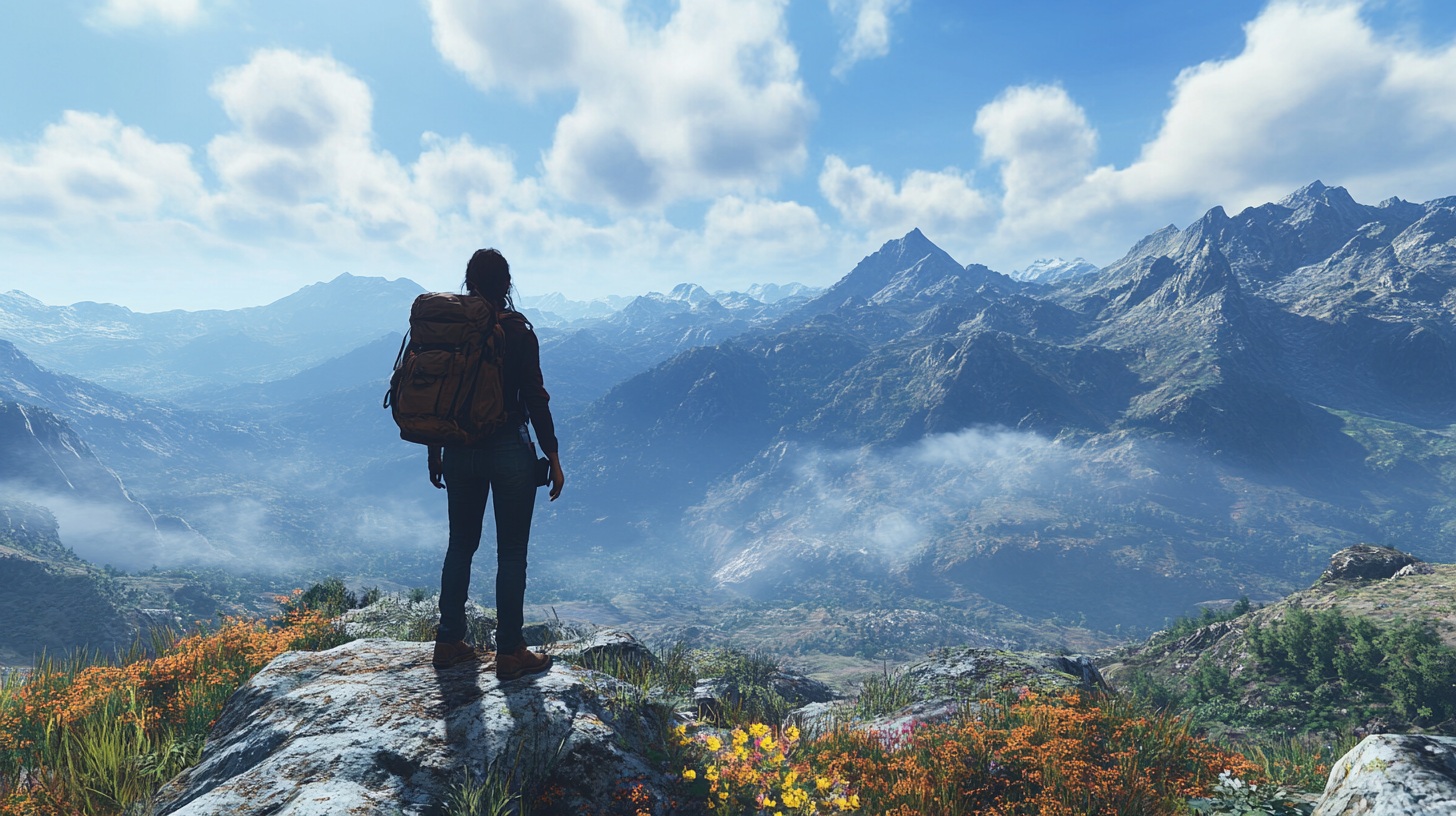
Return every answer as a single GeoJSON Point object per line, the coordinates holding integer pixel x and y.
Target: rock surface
{"type": "Point", "coordinates": [712, 693]}
{"type": "Point", "coordinates": [1366, 561]}
{"type": "Point", "coordinates": [1393, 775]}
{"type": "Point", "coordinates": [605, 649]}
{"type": "Point", "coordinates": [968, 673]}
{"type": "Point", "coordinates": [371, 727]}
{"type": "Point", "coordinates": [399, 618]}
{"type": "Point", "coordinates": [952, 678]}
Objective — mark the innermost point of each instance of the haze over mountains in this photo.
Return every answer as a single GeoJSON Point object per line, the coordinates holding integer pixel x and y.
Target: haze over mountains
{"type": "Point", "coordinates": [1211, 415]}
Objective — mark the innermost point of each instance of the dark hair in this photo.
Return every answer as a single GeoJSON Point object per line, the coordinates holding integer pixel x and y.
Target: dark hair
{"type": "Point", "coordinates": [488, 275]}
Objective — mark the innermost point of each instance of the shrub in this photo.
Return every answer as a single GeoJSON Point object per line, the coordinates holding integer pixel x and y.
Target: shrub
{"type": "Point", "coordinates": [95, 736]}
{"type": "Point", "coordinates": [1070, 754]}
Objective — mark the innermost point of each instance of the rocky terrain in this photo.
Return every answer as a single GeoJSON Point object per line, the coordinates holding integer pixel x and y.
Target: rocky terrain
{"type": "Point", "coordinates": [371, 726]}
{"type": "Point", "coordinates": [1208, 417]}
{"type": "Point", "coordinates": [1255, 692]}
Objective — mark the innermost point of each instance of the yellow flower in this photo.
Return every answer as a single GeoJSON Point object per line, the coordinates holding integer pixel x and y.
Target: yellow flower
{"type": "Point", "coordinates": [757, 729]}
{"type": "Point", "coordinates": [768, 745]}
{"type": "Point", "coordinates": [715, 744]}
{"type": "Point", "coordinates": [690, 774]}
{"type": "Point", "coordinates": [854, 800]}
{"type": "Point", "coordinates": [792, 733]}
{"type": "Point", "coordinates": [769, 803]}
{"type": "Point", "coordinates": [790, 778]}
{"type": "Point", "coordinates": [739, 737]}
{"type": "Point", "coordinates": [823, 784]}
{"type": "Point", "coordinates": [711, 773]}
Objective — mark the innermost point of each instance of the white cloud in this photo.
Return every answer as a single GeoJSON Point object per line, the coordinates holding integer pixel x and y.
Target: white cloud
{"type": "Point", "coordinates": [88, 167]}
{"type": "Point", "coordinates": [709, 104]}
{"type": "Point", "coordinates": [941, 203]}
{"type": "Point", "coordinates": [1040, 139]}
{"type": "Point", "coordinates": [135, 13]}
{"type": "Point", "coordinates": [1315, 93]}
{"type": "Point", "coordinates": [764, 228]}
{"type": "Point", "coordinates": [303, 158]}
{"type": "Point", "coordinates": [867, 29]}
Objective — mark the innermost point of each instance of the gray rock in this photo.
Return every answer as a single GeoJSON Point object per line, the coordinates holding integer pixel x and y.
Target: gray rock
{"type": "Point", "coordinates": [818, 718]}
{"type": "Point", "coordinates": [907, 719]}
{"type": "Point", "coordinates": [1366, 561]}
{"type": "Point", "coordinates": [371, 727]}
{"type": "Point", "coordinates": [606, 649]}
{"type": "Point", "coordinates": [711, 693]}
{"type": "Point", "coordinates": [1418, 568]}
{"type": "Point", "coordinates": [799, 689]}
{"type": "Point", "coordinates": [967, 673]}
{"type": "Point", "coordinates": [549, 633]}
{"type": "Point", "coordinates": [396, 617]}
{"type": "Point", "coordinates": [1393, 775]}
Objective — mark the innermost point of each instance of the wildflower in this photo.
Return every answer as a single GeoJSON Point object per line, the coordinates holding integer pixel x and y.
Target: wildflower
{"type": "Point", "coordinates": [757, 730]}
{"type": "Point", "coordinates": [714, 744]}
{"type": "Point", "coordinates": [690, 774]}
{"type": "Point", "coordinates": [823, 784]}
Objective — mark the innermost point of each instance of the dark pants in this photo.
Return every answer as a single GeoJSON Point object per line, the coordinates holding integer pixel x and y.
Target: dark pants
{"type": "Point", "coordinates": [505, 464]}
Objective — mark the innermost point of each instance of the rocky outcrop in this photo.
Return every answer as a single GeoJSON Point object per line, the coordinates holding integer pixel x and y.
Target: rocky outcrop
{"type": "Point", "coordinates": [1364, 561]}
{"type": "Point", "coordinates": [967, 673]}
{"type": "Point", "coordinates": [1393, 775]}
{"type": "Point", "coordinates": [372, 727]}
{"type": "Point", "coordinates": [400, 618]}
{"type": "Point", "coordinates": [712, 694]}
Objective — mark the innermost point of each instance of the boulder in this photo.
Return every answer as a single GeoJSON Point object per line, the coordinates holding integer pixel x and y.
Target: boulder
{"type": "Point", "coordinates": [549, 633]}
{"type": "Point", "coordinates": [1418, 568]}
{"type": "Point", "coordinates": [969, 674]}
{"type": "Point", "coordinates": [1393, 775]}
{"type": "Point", "coordinates": [372, 727]}
{"type": "Point", "coordinates": [954, 678]}
{"type": "Point", "coordinates": [606, 649]}
{"type": "Point", "coordinates": [396, 617]}
{"type": "Point", "coordinates": [1364, 561]}
{"type": "Point", "coordinates": [797, 690]}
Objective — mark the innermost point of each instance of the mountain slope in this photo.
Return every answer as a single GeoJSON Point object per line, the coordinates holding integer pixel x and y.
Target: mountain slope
{"type": "Point", "coordinates": [1210, 416]}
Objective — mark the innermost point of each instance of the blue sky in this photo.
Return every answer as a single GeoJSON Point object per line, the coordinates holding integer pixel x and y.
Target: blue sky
{"type": "Point", "coordinates": [222, 153]}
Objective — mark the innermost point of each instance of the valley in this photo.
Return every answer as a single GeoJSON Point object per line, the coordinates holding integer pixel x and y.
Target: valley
{"type": "Point", "coordinates": [1069, 457]}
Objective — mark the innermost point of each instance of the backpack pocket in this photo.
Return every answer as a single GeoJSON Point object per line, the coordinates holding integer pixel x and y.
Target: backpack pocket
{"type": "Point", "coordinates": [426, 386]}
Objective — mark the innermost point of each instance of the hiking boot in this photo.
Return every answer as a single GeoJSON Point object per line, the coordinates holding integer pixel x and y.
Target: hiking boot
{"type": "Point", "coordinates": [520, 663]}
{"type": "Point", "coordinates": [452, 654]}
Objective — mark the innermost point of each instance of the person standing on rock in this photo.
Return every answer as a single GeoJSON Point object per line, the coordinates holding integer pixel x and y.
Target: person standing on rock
{"type": "Point", "coordinates": [506, 464]}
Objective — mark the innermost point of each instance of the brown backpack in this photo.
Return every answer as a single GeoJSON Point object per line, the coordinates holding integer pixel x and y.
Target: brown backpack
{"type": "Point", "coordinates": [446, 388]}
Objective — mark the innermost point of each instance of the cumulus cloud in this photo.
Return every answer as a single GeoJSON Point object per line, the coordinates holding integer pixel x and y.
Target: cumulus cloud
{"type": "Point", "coordinates": [708, 104]}
{"type": "Point", "coordinates": [88, 167]}
{"type": "Point", "coordinates": [135, 13]}
{"type": "Point", "coordinates": [942, 202]}
{"type": "Point", "coordinates": [867, 29]}
{"type": "Point", "coordinates": [772, 228]}
{"type": "Point", "coordinates": [1315, 92]}
{"type": "Point", "coordinates": [1041, 140]}
{"type": "Point", "coordinates": [303, 154]}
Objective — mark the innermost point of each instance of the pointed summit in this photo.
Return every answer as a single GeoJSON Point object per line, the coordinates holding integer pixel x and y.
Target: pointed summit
{"type": "Point", "coordinates": [925, 263]}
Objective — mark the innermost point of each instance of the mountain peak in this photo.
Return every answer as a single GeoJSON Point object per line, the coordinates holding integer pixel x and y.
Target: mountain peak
{"type": "Point", "coordinates": [1050, 270]}
{"type": "Point", "coordinates": [1317, 192]}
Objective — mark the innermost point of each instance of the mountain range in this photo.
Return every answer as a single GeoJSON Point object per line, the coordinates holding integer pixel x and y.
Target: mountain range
{"type": "Point", "coordinates": [1211, 415]}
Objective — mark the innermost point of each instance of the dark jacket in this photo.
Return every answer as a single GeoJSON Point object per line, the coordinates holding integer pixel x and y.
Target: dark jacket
{"type": "Point", "coordinates": [521, 381]}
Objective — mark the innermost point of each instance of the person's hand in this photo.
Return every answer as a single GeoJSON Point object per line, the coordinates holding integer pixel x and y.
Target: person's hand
{"type": "Point", "coordinates": [437, 468]}
{"type": "Point", "coordinates": [558, 479]}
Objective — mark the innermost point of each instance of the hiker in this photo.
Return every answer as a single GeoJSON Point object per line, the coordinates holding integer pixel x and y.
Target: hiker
{"type": "Point", "coordinates": [506, 464]}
